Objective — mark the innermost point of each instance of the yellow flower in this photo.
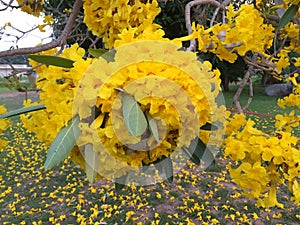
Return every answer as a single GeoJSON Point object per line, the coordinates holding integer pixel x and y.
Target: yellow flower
{"type": "Point", "coordinates": [108, 18]}
{"type": "Point", "coordinates": [48, 19]}
{"type": "Point", "coordinates": [270, 199]}
{"type": "Point", "coordinates": [33, 7]}
{"type": "Point", "coordinates": [4, 124]}
{"type": "Point", "coordinates": [41, 28]}
{"type": "Point", "coordinates": [171, 85]}
{"type": "Point", "coordinates": [58, 88]}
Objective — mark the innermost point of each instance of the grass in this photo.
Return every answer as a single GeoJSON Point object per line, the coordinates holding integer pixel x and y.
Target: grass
{"type": "Point", "coordinates": [261, 102]}
{"type": "Point", "coordinates": [31, 195]}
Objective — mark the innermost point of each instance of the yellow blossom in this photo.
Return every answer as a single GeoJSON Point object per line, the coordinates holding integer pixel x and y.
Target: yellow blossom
{"type": "Point", "coordinates": [108, 19]}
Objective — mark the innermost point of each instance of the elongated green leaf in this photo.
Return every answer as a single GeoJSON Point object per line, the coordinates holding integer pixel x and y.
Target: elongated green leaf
{"type": "Point", "coordinates": [288, 16]}
{"type": "Point", "coordinates": [168, 169]}
{"type": "Point", "coordinates": [191, 155]}
{"type": "Point", "coordinates": [97, 52]}
{"type": "Point", "coordinates": [52, 60]}
{"type": "Point", "coordinates": [202, 152]}
{"type": "Point", "coordinates": [208, 157]}
{"type": "Point", "coordinates": [91, 162]}
{"type": "Point", "coordinates": [165, 166]}
{"type": "Point", "coordinates": [208, 126]}
{"type": "Point", "coordinates": [134, 117]}
{"type": "Point", "coordinates": [107, 55]}
{"type": "Point", "coordinates": [23, 110]}
{"type": "Point", "coordinates": [153, 126]}
{"type": "Point", "coordinates": [197, 150]}
{"type": "Point", "coordinates": [120, 182]}
{"type": "Point", "coordinates": [200, 147]}
{"type": "Point", "coordinates": [63, 143]}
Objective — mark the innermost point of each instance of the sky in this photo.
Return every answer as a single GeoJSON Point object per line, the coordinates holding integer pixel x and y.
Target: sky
{"type": "Point", "coordinates": [24, 22]}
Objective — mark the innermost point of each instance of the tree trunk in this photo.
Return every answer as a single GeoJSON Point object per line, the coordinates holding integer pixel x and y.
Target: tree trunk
{"type": "Point", "coordinates": [225, 84]}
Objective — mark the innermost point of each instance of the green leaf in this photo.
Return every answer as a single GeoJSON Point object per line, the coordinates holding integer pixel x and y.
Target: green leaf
{"type": "Point", "coordinates": [121, 181]}
{"type": "Point", "coordinates": [91, 162]}
{"type": "Point", "coordinates": [288, 16]}
{"type": "Point", "coordinates": [107, 55]}
{"type": "Point", "coordinates": [97, 52]}
{"type": "Point", "coordinates": [200, 147]}
{"type": "Point", "coordinates": [208, 126]}
{"type": "Point", "coordinates": [52, 60]}
{"type": "Point", "coordinates": [198, 151]}
{"type": "Point", "coordinates": [191, 155]}
{"type": "Point", "coordinates": [63, 143]}
{"type": "Point", "coordinates": [201, 151]}
{"type": "Point", "coordinates": [23, 110]}
{"type": "Point", "coordinates": [165, 166]}
{"type": "Point", "coordinates": [153, 126]}
{"type": "Point", "coordinates": [134, 117]}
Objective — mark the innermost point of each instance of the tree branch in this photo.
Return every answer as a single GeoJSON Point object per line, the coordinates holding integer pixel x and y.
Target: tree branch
{"type": "Point", "coordinates": [188, 23]}
{"type": "Point", "coordinates": [241, 87]}
{"type": "Point", "coordinates": [53, 44]}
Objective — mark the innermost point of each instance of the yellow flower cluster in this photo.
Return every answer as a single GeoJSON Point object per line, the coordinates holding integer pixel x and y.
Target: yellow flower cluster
{"type": "Point", "coordinates": [152, 32]}
{"type": "Point", "coordinates": [108, 19]}
{"type": "Point", "coordinates": [58, 86]}
{"type": "Point", "coordinates": [4, 124]}
{"type": "Point", "coordinates": [245, 31]}
{"type": "Point", "coordinates": [262, 162]}
{"type": "Point", "coordinates": [33, 7]}
{"type": "Point", "coordinates": [282, 59]}
{"type": "Point", "coordinates": [171, 85]}
{"type": "Point", "coordinates": [292, 100]}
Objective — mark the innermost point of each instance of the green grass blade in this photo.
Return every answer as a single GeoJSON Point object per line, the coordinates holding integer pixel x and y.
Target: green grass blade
{"type": "Point", "coordinates": [91, 162]}
{"type": "Point", "coordinates": [288, 16]}
{"type": "Point", "coordinates": [134, 117]}
{"type": "Point", "coordinates": [63, 143]}
{"type": "Point", "coordinates": [23, 110]}
{"type": "Point", "coordinates": [52, 60]}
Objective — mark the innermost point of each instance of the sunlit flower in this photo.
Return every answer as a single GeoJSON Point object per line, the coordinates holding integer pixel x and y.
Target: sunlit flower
{"type": "Point", "coordinates": [33, 7]}
{"type": "Point", "coordinates": [107, 19]}
{"type": "Point", "coordinates": [61, 85]}
{"type": "Point", "coordinates": [4, 124]}
{"type": "Point", "coordinates": [163, 72]}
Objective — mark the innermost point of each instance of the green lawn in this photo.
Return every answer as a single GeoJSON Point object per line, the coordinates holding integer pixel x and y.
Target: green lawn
{"type": "Point", "coordinates": [260, 103]}
{"type": "Point", "coordinates": [31, 195]}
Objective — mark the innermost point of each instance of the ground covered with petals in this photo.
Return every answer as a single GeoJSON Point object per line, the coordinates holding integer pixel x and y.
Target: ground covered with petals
{"type": "Point", "coordinates": [31, 195]}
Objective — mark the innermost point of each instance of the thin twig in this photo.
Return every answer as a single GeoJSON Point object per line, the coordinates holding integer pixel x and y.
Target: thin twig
{"type": "Point", "coordinates": [61, 41]}
{"type": "Point", "coordinates": [214, 16]}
